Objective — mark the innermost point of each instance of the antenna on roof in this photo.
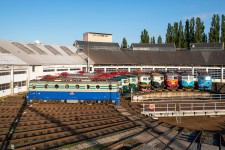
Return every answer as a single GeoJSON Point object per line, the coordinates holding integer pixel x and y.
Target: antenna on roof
{"type": "Point", "coordinates": [37, 42]}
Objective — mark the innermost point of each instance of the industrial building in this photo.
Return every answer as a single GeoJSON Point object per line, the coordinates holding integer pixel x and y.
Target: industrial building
{"type": "Point", "coordinates": [21, 62]}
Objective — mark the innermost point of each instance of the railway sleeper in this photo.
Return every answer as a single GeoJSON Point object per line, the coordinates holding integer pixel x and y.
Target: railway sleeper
{"type": "Point", "coordinates": [79, 136]}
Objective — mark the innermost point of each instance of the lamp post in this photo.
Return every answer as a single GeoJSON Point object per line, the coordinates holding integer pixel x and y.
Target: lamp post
{"type": "Point", "coordinates": [88, 59]}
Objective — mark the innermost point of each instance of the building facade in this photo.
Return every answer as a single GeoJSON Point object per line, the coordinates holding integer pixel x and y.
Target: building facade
{"type": "Point", "coordinates": [97, 37]}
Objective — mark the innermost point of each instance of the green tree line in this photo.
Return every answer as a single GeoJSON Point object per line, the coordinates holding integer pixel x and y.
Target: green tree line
{"type": "Point", "coordinates": [192, 31]}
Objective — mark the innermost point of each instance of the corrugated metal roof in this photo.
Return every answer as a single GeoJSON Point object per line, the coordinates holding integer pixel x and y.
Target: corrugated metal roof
{"type": "Point", "coordinates": [9, 59]}
{"type": "Point", "coordinates": [143, 57]}
{"type": "Point", "coordinates": [37, 57]}
{"type": "Point", "coordinates": [96, 45]}
{"type": "Point", "coordinates": [207, 46]}
{"type": "Point", "coordinates": [153, 47]}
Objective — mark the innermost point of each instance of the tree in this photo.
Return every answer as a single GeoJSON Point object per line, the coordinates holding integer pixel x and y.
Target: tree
{"type": "Point", "coordinates": [124, 43]}
{"type": "Point", "coordinates": [187, 35]}
{"type": "Point", "coordinates": [153, 40]}
{"type": "Point", "coordinates": [214, 33]}
{"type": "Point", "coordinates": [204, 38]}
{"type": "Point", "coordinates": [192, 30]}
{"type": "Point", "coordinates": [169, 34]}
{"type": "Point", "coordinates": [144, 36]}
{"type": "Point", "coordinates": [222, 39]}
{"type": "Point", "coordinates": [175, 33]}
{"type": "Point", "coordinates": [199, 31]}
{"type": "Point", "coordinates": [159, 40]}
{"type": "Point", "coordinates": [180, 36]}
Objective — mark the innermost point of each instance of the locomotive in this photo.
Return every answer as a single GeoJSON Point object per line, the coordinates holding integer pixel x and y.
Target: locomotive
{"type": "Point", "coordinates": [157, 80]}
{"type": "Point", "coordinates": [186, 81]}
{"type": "Point", "coordinates": [144, 82]}
{"type": "Point", "coordinates": [204, 81]}
{"type": "Point", "coordinates": [123, 83]}
{"type": "Point", "coordinates": [80, 91]}
{"type": "Point", "coordinates": [133, 81]}
{"type": "Point", "coordinates": [171, 80]}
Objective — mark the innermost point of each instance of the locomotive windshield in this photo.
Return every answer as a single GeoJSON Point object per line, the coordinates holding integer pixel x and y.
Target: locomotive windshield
{"type": "Point", "coordinates": [145, 79]}
{"type": "Point", "coordinates": [172, 77]}
{"type": "Point", "coordinates": [133, 80]}
{"type": "Point", "coordinates": [208, 78]}
{"type": "Point", "coordinates": [185, 77]}
{"type": "Point", "coordinates": [158, 78]}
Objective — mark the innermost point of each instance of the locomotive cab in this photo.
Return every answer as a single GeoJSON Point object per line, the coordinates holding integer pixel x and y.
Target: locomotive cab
{"type": "Point", "coordinates": [204, 82]}
{"type": "Point", "coordinates": [144, 82]}
{"type": "Point", "coordinates": [157, 81]}
{"type": "Point", "coordinates": [171, 80]}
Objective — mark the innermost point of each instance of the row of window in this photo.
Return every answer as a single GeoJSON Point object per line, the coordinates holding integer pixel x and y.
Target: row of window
{"type": "Point", "coordinates": [16, 84]}
{"type": "Point", "coordinates": [20, 83]}
{"type": "Point", "coordinates": [4, 73]}
{"type": "Point", "coordinates": [20, 72]}
{"type": "Point", "coordinates": [53, 70]}
{"type": "Point", "coordinates": [67, 86]}
{"type": "Point", "coordinates": [4, 86]}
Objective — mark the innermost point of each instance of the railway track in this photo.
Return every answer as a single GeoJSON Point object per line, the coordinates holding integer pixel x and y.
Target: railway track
{"type": "Point", "coordinates": [52, 125]}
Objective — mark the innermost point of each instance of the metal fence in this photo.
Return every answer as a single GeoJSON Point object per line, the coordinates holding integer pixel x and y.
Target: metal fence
{"type": "Point", "coordinates": [142, 98]}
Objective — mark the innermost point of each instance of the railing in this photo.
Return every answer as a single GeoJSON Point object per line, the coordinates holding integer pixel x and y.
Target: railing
{"type": "Point", "coordinates": [174, 109]}
{"type": "Point", "coordinates": [141, 98]}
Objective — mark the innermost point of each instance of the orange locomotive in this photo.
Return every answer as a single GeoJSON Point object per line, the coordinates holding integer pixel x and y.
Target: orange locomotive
{"type": "Point", "coordinates": [171, 80]}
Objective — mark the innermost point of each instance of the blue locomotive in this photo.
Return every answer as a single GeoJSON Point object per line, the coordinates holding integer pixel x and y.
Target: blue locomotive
{"type": "Point", "coordinates": [204, 81]}
{"type": "Point", "coordinates": [84, 91]}
{"type": "Point", "coordinates": [186, 81]}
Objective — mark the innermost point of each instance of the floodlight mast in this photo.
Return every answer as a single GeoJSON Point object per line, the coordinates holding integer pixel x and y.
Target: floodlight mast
{"type": "Point", "coordinates": [88, 60]}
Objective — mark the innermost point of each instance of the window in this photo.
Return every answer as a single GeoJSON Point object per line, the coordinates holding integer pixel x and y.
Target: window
{"type": "Point", "coordinates": [172, 69]}
{"type": "Point", "coordinates": [123, 69]}
{"type": "Point", "coordinates": [4, 86]}
{"type": "Point", "coordinates": [62, 69]}
{"type": "Point", "coordinates": [160, 69]}
{"type": "Point", "coordinates": [72, 69]}
{"type": "Point", "coordinates": [198, 69]}
{"type": "Point", "coordinates": [4, 73]}
{"type": "Point", "coordinates": [207, 78]}
{"type": "Point", "coordinates": [56, 86]}
{"type": "Point", "coordinates": [110, 87]}
{"type": "Point", "coordinates": [88, 86]}
{"type": "Point", "coordinates": [133, 80]}
{"type": "Point", "coordinates": [77, 86]}
{"type": "Point", "coordinates": [33, 68]}
{"type": "Point", "coordinates": [20, 72]}
{"type": "Point", "coordinates": [19, 83]}
{"type": "Point", "coordinates": [97, 87]}
{"type": "Point", "coordinates": [215, 73]}
{"type": "Point", "coordinates": [67, 86]}
{"type": "Point", "coordinates": [187, 70]}
{"type": "Point", "coordinates": [145, 79]}
{"type": "Point", "coordinates": [110, 69]}
{"type": "Point", "coordinates": [46, 86]}
{"type": "Point", "coordinates": [146, 69]}
{"type": "Point", "coordinates": [185, 77]}
{"type": "Point", "coordinates": [48, 70]}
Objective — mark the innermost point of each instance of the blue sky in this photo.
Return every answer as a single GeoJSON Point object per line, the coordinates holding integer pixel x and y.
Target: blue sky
{"type": "Point", "coordinates": [64, 21]}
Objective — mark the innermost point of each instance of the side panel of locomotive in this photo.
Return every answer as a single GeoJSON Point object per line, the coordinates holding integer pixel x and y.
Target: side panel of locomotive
{"type": "Point", "coordinates": [98, 91]}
